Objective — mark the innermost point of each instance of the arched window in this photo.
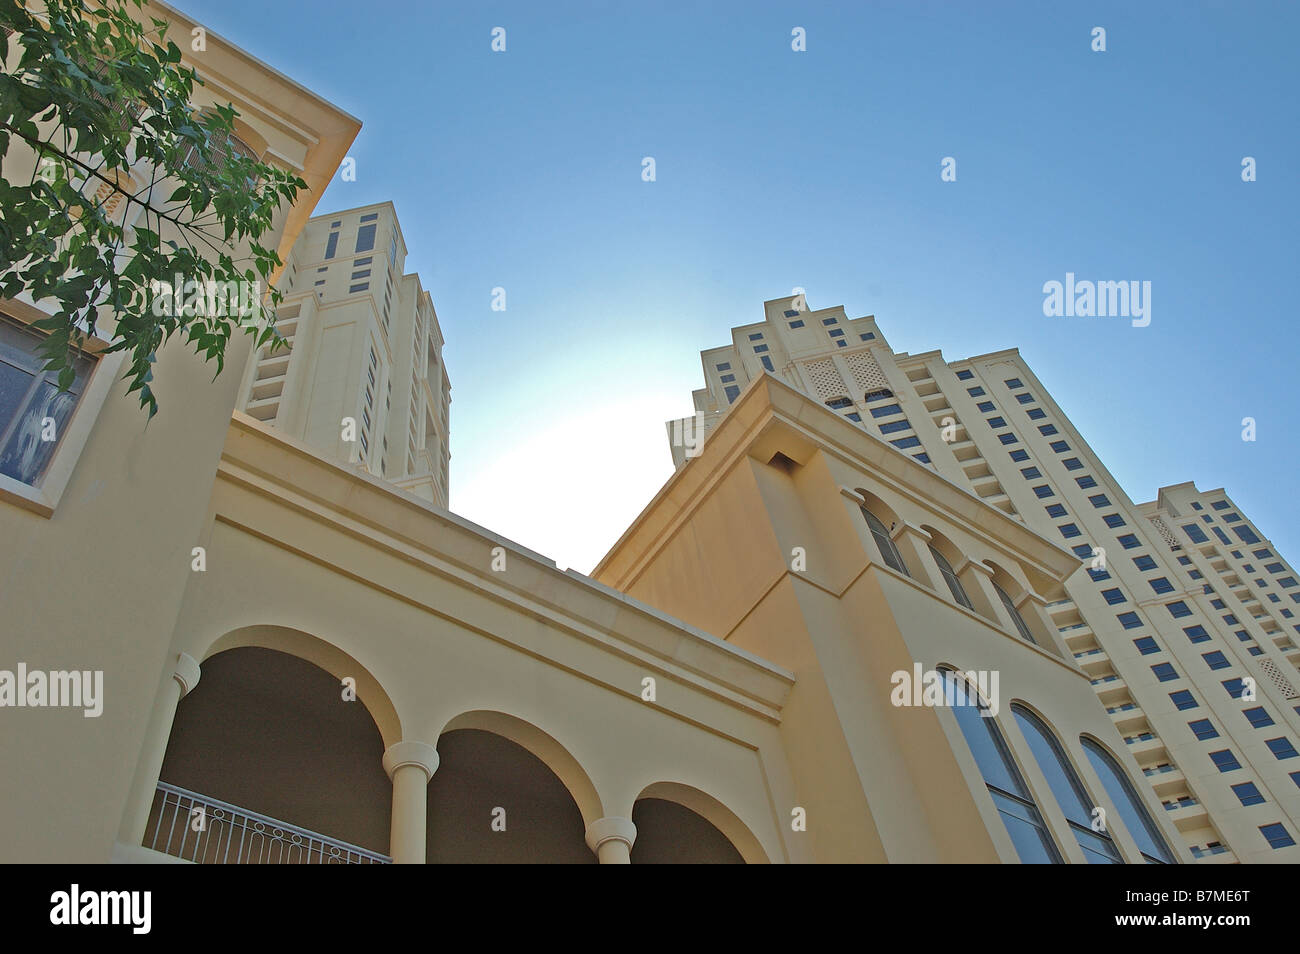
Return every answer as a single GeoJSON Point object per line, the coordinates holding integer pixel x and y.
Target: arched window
{"type": "Point", "coordinates": [1011, 795]}
{"type": "Point", "coordinates": [1070, 794]}
{"type": "Point", "coordinates": [950, 577]}
{"type": "Point", "coordinates": [1021, 627]}
{"type": "Point", "coordinates": [1131, 810]}
{"type": "Point", "coordinates": [888, 552]}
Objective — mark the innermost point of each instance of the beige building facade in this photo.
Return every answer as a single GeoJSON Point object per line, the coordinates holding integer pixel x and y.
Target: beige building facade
{"type": "Point", "coordinates": [811, 646]}
{"type": "Point", "coordinates": [1180, 611]}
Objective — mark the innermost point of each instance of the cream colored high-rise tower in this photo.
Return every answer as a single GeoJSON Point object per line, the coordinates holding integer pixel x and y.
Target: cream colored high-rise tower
{"type": "Point", "coordinates": [1181, 611]}
{"type": "Point", "coordinates": [361, 378]}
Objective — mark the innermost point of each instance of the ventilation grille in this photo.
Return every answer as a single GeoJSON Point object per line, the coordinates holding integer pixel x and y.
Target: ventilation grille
{"type": "Point", "coordinates": [1283, 684]}
{"type": "Point", "coordinates": [1165, 532]}
{"type": "Point", "coordinates": [866, 373]}
{"type": "Point", "coordinates": [825, 379]}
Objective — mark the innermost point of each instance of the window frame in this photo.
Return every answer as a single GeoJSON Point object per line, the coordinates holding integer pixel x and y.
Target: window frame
{"type": "Point", "coordinates": [43, 498]}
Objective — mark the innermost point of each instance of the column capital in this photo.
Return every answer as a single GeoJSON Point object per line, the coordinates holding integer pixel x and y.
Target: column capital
{"type": "Point", "coordinates": [186, 673]}
{"type": "Point", "coordinates": [400, 754]}
{"type": "Point", "coordinates": [610, 829]}
{"type": "Point", "coordinates": [974, 565]}
{"type": "Point", "coordinates": [903, 527]}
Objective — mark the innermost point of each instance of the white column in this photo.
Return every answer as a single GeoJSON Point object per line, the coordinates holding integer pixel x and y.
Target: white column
{"type": "Point", "coordinates": [611, 839]}
{"type": "Point", "coordinates": [139, 801]}
{"type": "Point", "coordinates": [410, 765]}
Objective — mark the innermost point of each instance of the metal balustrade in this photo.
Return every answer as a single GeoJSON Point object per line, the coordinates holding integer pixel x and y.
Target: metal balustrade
{"type": "Point", "coordinates": [229, 835]}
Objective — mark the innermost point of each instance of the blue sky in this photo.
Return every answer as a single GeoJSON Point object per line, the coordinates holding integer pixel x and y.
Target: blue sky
{"type": "Point", "coordinates": [820, 169]}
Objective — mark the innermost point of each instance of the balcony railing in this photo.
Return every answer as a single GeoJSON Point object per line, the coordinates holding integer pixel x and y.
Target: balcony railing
{"type": "Point", "coordinates": [229, 835]}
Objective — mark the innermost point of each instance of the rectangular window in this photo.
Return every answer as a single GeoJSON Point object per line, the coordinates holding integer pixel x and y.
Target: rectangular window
{"type": "Point", "coordinates": [1047, 430]}
{"type": "Point", "coordinates": [756, 337]}
{"type": "Point", "coordinates": [733, 392]}
{"type": "Point", "coordinates": [358, 288]}
{"type": "Point", "coordinates": [791, 314]}
{"type": "Point", "coordinates": [1276, 835]}
{"type": "Point", "coordinates": [1234, 686]}
{"type": "Point", "coordinates": [997, 422]}
{"type": "Point", "coordinates": [886, 410]}
{"type": "Point", "coordinates": [1099, 500]}
{"type": "Point", "coordinates": [1059, 446]}
{"type": "Point", "coordinates": [727, 378]}
{"type": "Point", "coordinates": [1282, 748]}
{"type": "Point", "coordinates": [1144, 562]}
{"type": "Point", "coordinates": [724, 367]}
{"type": "Point", "coordinates": [855, 416]}
{"type": "Point", "coordinates": [364, 273]}
{"type": "Point", "coordinates": [1098, 575]}
{"type": "Point", "coordinates": [370, 218]}
{"type": "Point", "coordinates": [1085, 481]}
{"type": "Point", "coordinates": [985, 406]}
{"type": "Point", "coordinates": [1031, 473]}
{"type": "Point", "coordinates": [1216, 660]}
{"type": "Point", "coordinates": [365, 238]}
{"type": "Point", "coordinates": [867, 335]}
{"type": "Point", "coordinates": [1083, 551]}
{"type": "Point", "coordinates": [1225, 761]}
{"type": "Point", "coordinates": [362, 261]}
{"type": "Point", "coordinates": [905, 442]}
{"type": "Point", "coordinates": [1258, 717]}
{"type": "Point", "coordinates": [1248, 793]}
{"type": "Point", "coordinates": [1025, 398]}
{"type": "Point", "coordinates": [891, 427]}
{"type": "Point", "coordinates": [1203, 729]}
{"type": "Point", "coordinates": [923, 458]}
{"type": "Point", "coordinates": [1146, 645]}
{"type": "Point", "coordinates": [332, 245]}
{"type": "Point", "coordinates": [1128, 541]}
{"type": "Point", "coordinates": [1129, 620]}
{"type": "Point", "coordinates": [965, 375]}
{"type": "Point", "coordinates": [1220, 505]}
{"type": "Point", "coordinates": [1113, 520]}
{"type": "Point", "coordinates": [1020, 456]}
{"type": "Point", "coordinates": [1055, 510]}
{"type": "Point", "coordinates": [1161, 585]}
{"type": "Point", "coordinates": [1014, 383]}
{"type": "Point", "coordinates": [1114, 595]}
{"type": "Point", "coordinates": [837, 332]}
{"type": "Point", "coordinates": [28, 396]}
{"type": "Point", "coordinates": [1044, 490]}
{"type": "Point", "coordinates": [1165, 671]}
{"type": "Point", "coordinates": [1274, 568]}
{"type": "Point", "coordinates": [1183, 699]}
{"type": "Point", "coordinates": [1245, 535]}
{"type": "Point", "coordinates": [1197, 633]}
{"type": "Point", "coordinates": [1069, 531]}
{"type": "Point", "coordinates": [1231, 517]}
{"type": "Point", "coordinates": [975, 391]}
{"type": "Point", "coordinates": [1178, 609]}
{"type": "Point", "coordinates": [1264, 554]}
{"type": "Point", "coordinates": [1007, 438]}
{"type": "Point", "coordinates": [767, 363]}
{"type": "Point", "coordinates": [828, 321]}
{"type": "Point", "coordinates": [759, 349]}
{"type": "Point", "coordinates": [796, 324]}
{"type": "Point", "coordinates": [1223, 537]}
{"type": "Point", "coordinates": [1037, 414]}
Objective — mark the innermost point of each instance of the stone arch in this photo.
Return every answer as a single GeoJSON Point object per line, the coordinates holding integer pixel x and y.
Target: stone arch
{"type": "Point", "coordinates": [727, 822]}
{"type": "Point", "coordinates": [541, 744]}
{"type": "Point", "coordinates": [325, 655]}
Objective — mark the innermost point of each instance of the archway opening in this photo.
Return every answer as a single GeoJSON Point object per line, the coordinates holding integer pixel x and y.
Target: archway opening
{"type": "Point", "coordinates": [493, 801]}
{"type": "Point", "coordinates": [273, 736]}
{"type": "Point", "coordinates": [670, 833]}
